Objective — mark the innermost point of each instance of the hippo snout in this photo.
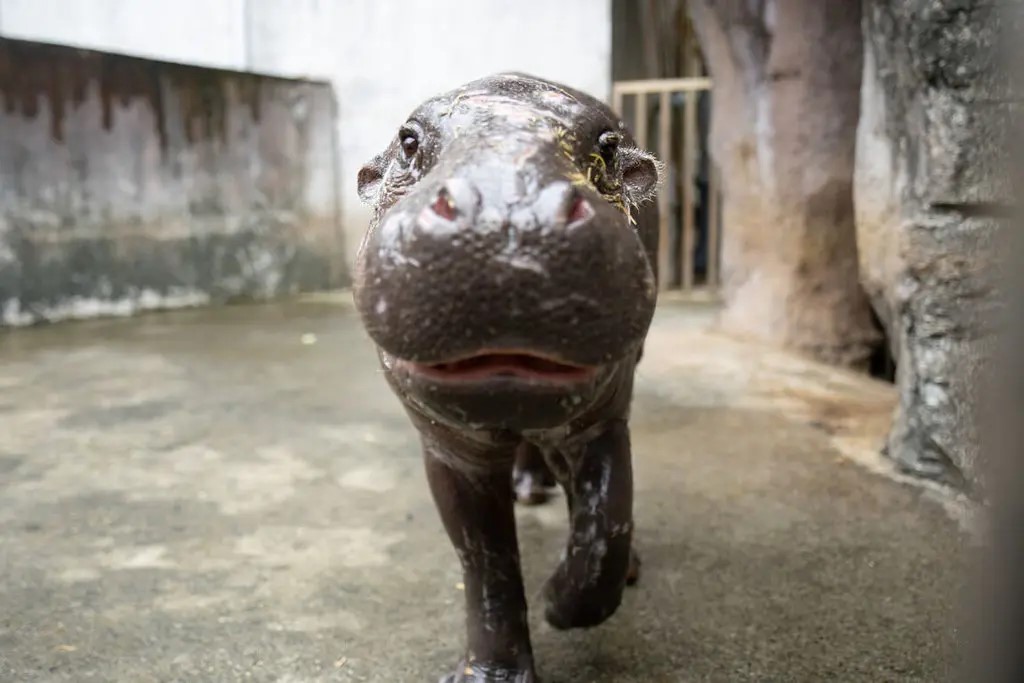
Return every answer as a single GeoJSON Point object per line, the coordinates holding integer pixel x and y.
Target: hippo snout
{"type": "Point", "coordinates": [449, 273]}
{"type": "Point", "coordinates": [558, 205]}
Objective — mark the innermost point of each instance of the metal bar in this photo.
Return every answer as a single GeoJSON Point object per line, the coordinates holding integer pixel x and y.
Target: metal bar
{"type": "Point", "coordinates": [617, 96]}
{"type": "Point", "coordinates": [664, 152]}
{"type": "Point", "coordinates": [689, 145]}
{"type": "Point", "coordinates": [641, 120]}
{"type": "Point", "coordinates": [713, 228]}
{"type": "Point", "coordinates": [657, 85]}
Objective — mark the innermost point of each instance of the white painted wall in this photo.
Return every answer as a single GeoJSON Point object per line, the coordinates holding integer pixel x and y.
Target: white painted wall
{"type": "Point", "coordinates": [382, 56]}
{"type": "Point", "coordinates": [203, 32]}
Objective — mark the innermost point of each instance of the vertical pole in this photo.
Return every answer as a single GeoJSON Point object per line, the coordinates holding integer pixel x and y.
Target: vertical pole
{"type": "Point", "coordinates": [687, 167]}
{"type": "Point", "coordinates": [714, 225]}
{"type": "Point", "coordinates": [664, 152]}
{"type": "Point", "coordinates": [641, 120]}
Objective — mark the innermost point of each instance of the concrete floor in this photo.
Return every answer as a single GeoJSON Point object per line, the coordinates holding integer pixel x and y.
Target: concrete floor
{"type": "Point", "coordinates": [207, 496]}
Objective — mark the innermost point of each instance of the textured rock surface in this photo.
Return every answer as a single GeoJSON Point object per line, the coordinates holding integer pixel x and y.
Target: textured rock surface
{"type": "Point", "coordinates": [127, 184]}
{"type": "Point", "coordinates": [787, 84]}
{"type": "Point", "coordinates": [928, 185]}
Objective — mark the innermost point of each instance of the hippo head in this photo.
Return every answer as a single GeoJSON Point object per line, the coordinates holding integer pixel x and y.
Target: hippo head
{"type": "Point", "coordinates": [504, 277]}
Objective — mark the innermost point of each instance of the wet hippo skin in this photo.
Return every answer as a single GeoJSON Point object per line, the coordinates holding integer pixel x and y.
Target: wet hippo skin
{"type": "Point", "coordinates": [507, 279]}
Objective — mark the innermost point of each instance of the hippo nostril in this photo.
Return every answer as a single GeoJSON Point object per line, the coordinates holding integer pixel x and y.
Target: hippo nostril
{"type": "Point", "coordinates": [579, 211]}
{"type": "Point", "coordinates": [444, 205]}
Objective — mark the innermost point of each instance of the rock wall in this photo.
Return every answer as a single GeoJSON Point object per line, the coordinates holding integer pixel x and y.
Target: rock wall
{"type": "Point", "coordinates": [786, 90]}
{"type": "Point", "coordinates": [129, 184]}
{"type": "Point", "coordinates": [929, 187]}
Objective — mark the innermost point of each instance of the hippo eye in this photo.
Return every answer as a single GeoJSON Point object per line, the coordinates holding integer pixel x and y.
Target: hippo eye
{"type": "Point", "coordinates": [410, 141]}
{"type": "Point", "coordinates": [608, 143]}
{"type": "Point", "coordinates": [609, 139]}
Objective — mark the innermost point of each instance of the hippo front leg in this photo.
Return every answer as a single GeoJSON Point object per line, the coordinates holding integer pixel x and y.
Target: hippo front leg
{"type": "Point", "coordinates": [599, 561]}
{"type": "Point", "coordinates": [476, 508]}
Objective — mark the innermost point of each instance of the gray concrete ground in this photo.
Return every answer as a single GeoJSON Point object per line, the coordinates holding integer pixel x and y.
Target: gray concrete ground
{"type": "Point", "coordinates": [202, 496]}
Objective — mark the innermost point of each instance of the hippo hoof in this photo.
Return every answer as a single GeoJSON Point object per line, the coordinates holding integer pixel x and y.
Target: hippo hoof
{"type": "Point", "coordinates": [479, 673]}
{"type": "Point", "coordinates": [566, 608]}
{"type": "Point", "coordinates": [565, 614]}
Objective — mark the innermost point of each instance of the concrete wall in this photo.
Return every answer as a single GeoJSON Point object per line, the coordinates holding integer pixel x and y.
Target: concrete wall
{"type": "Point", "coordinates": [381, 56]}
{"type": "Point", "coordinates": [128, 184]}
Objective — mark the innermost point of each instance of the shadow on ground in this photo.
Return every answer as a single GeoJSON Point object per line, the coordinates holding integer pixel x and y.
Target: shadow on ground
{"type": "Point", "coordinates": [207, 496]}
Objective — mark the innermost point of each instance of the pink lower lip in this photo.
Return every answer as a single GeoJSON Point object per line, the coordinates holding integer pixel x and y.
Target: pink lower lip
{"type": "Point", "coordinates": [503, 364]}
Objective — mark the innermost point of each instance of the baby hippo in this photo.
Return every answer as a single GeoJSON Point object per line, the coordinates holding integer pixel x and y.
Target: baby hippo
{"type": "Point", "coordinates": [507, 280]}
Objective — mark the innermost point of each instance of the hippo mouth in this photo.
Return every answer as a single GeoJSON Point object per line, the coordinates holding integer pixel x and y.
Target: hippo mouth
{"type": "Point", "coordinates": [505, 364]}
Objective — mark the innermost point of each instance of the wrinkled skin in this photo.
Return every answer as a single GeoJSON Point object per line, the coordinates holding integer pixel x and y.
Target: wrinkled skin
{"type": "Point", "coordinates": [507, 280]}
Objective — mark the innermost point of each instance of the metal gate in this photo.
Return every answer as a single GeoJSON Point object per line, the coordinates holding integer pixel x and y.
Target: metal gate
{"type": "Point", "coordinates": [665, 117]}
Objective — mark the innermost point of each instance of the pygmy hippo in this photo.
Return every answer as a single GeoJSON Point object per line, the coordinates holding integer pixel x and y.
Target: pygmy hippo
{"type": "Point", "coordinates": [507, 280]}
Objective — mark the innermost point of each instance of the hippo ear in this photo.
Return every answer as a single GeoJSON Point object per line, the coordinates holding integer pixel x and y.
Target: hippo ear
{"type": "Point", "coordinates": [641, 175]}
{"type": "Point", "coordinates": [370, 178]}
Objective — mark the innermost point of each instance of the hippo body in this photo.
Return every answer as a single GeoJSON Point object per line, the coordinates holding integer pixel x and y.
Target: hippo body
{"type": "Point", "coordinates": [507, 279]}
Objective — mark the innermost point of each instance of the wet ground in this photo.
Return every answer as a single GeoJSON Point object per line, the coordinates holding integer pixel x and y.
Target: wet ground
{"type": "Point", "coordinates": [233, 495]}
